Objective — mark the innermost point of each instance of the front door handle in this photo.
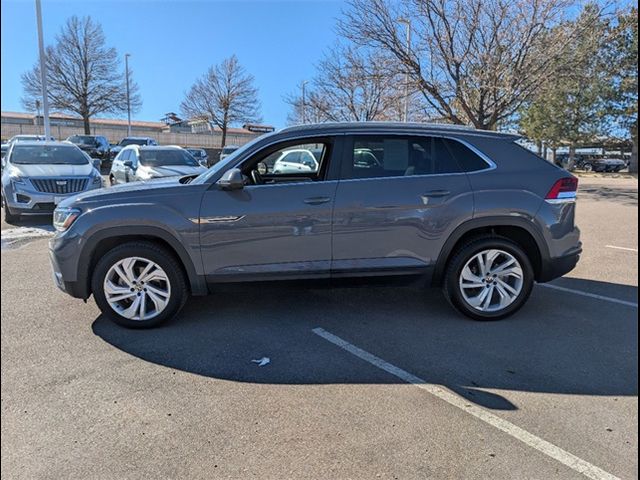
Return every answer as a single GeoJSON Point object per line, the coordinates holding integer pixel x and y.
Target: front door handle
{"type": "Point", "coordinates": [437, 193]}
{"type": "Point", "coordinates": [317, 200]}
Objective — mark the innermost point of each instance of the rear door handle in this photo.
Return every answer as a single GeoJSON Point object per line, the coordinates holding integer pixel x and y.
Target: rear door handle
{"type": "Point", "coordinates": [437, 193]}
{"type": "Point", "coordinates": [317, 200]}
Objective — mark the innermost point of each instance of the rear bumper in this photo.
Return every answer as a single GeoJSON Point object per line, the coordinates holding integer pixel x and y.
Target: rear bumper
{"type": "Point", "coordinates": [559, 266]}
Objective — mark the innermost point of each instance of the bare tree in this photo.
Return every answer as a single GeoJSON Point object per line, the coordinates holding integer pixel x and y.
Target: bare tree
{"type": "Point", "coordinates": [351, 85]}
{"type": "Point", "coordinates": [474, 61]}
{"type": "Point", "coordinates": [224, 95]}
{"type": "Point", "coordinates": [84, 76]}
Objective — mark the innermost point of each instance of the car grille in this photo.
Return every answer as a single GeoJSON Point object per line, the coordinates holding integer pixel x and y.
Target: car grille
{"type": "Point", "coordinates": [60, 185]}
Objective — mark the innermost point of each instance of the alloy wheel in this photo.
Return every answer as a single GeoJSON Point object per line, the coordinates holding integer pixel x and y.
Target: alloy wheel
{"type": "Point", "coordinates": [137, 288]}
{"type": "Point", "coordinates": [491, 280]}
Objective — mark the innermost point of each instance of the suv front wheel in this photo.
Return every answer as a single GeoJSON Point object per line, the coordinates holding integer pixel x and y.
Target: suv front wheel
{"type": "Point", "coordinates": [139, 285]}
{"type": "Point", "coordinates": [489, 278]}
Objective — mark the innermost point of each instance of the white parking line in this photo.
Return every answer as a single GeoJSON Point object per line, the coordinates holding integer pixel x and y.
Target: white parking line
{"type": "Point", "coordinates": [590, 295]}
{"type": "Point", "coordinates": [626, 249]}
{"type": "Point", "coordinates": [549, 449]}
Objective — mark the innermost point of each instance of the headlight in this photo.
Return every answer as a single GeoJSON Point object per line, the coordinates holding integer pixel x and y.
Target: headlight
{"type": "Point", "coordinates": [63, 217]}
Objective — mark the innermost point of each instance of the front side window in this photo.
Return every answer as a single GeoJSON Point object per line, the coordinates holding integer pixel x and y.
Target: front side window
{"type": "Point", "coordinates": [47, 155]}
{"type": "Point", "coordinates": [395, 156]}
{"type": "Point", "coordinates": [293, 162]}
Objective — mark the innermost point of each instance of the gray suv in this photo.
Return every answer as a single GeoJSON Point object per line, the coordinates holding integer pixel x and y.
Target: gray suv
{"type": "Point", "coordinates": [469, 211]}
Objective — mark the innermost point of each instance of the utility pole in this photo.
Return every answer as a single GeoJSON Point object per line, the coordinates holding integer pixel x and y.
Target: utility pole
{"type": "Point", "coordinates": [304, 102]}
{"type": "Point", "coordinates": [43, 73]}
{"type": "Point", "coordinates": [126, 69]}
{"type": "Point", "coordinates": [407, 23]}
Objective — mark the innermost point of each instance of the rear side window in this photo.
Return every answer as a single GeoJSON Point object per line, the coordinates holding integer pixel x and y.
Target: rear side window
{"type": "Point", "coordinates": [468, 160]}
{"type": "Point", "coordinates": [394, 156]}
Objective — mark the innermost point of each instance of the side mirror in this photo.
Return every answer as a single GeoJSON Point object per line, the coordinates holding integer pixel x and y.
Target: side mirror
{"type": "Point", "coordinates": [97, 163]}
{"type": "Point", "coordinates": [128, 163]}
{"type": "Point", "coordinates": [232, 179]}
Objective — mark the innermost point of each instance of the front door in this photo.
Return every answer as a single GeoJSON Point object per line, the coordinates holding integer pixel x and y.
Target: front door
{"type": "Point", "coordinates": [278, 225]}
{"type": "Point", "coordinates": [397, 202]}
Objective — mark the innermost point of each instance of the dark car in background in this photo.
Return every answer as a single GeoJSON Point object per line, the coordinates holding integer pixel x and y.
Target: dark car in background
{"type": "Point", "coordinates": [96, 146]}
{"type": "Point", "coordinates": [228, 150]}
{"type": "Point", "coordinates": [601, 164]}
{"type": "Point", "coordinates": [200, 154]}
{"type": "Point", "coordinates": [131, 141]}
{"type": "Point", "coordinates": [469, 211]}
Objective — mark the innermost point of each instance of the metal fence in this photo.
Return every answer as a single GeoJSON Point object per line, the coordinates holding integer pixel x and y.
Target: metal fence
{"type": "Point", "coordinates": [115, 134]}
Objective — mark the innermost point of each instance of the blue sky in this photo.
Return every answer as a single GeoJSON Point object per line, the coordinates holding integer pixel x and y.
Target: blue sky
{"type": "Point", "coordinates": [173, 42]}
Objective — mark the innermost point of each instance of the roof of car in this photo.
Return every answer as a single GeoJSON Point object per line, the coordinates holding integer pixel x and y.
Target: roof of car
{"type": "Point", "coordinates": [153, 147]}
{"type": "Point", "coordinates": [43, 143]}
{"type": "Point", "coordinates": [395, 127]}
{"type": "Point", "coordinates": [138, 138]}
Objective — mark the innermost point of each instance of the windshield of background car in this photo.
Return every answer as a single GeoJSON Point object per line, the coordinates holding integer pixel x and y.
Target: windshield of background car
{"type": "Point", "coordinates": [133, 141]}
{"type": "Point", "coordinates": [163, 158]}
{"type": "Point", "coordinates": [82, 140]}
{"type": "Point", "coordinates": [228, 150]}
{"type": "Point", "coordinates": [47, 155]}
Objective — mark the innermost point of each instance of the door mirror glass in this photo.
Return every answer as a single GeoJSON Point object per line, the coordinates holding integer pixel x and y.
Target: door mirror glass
{"type": "Point", "coordinates": [128, 163]}
{"type": "Point", "coordinates": [232, 179]}
{"type": "Point", "coordinates": [262, 168]}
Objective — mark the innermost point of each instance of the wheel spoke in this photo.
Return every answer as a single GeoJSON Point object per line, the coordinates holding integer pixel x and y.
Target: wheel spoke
{"type": "Point", "coordinates": [132, 295]}
{"type": "Point", "coordinates": [491, 280]}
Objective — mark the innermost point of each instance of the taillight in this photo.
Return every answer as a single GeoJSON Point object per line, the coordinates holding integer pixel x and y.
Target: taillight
{"type": "Point", "coordinates": [564, 190]}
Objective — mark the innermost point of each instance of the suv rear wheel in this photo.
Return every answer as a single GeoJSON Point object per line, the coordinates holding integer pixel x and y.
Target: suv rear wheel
{"type": "Point", "coordinates": [489, 278]}
{"type": "Point", "coordinates": [139, 285]}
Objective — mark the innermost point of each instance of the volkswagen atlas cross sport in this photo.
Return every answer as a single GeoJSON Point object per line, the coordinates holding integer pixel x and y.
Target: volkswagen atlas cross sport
{"type": "Point", "coordinates": [469, 211]}
{"type": "Point", "coordinates": [37, 175]}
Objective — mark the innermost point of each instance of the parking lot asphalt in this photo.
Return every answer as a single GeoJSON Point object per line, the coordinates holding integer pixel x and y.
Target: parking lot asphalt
{"type": "Point", "coordinates": [407, 389]}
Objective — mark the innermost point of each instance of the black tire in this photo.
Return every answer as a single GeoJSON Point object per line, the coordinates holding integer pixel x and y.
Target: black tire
{"type": "Point", "coordinates": [112, 180]}
{"type": "Point", "coordinates": [157, 254]}
{"type": "Point", "coordinates": [9, 217]}
{"type": "Point", "coordinates": [463, 254]}
{"type": "Point", "coordinates": [587, 167]}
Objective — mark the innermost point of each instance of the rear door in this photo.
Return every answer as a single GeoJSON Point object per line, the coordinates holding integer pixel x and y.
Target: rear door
{"type": "Point", "coordinates": [398, 200]}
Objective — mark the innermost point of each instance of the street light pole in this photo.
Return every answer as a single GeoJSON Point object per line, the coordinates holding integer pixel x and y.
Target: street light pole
{"type": "Point", "coordinates": [407, 23]}
{"type": "Point", "coordinates": [38, 116]}
{"type": "Point", "coordinates": [126, 69]}
{"type": "Point", "coordinates": [304, 102]}
{"type": "Point", "coordinates": [43, 72]}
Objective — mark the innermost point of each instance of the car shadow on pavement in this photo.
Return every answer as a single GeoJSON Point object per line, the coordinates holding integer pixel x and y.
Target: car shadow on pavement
{"type": "Point", "coordinates": [558, 343]}
{"type": "Point", "coordinates": [625, 196]}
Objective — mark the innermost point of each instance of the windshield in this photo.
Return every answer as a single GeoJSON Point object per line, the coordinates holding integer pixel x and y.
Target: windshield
{"type": "Point", "coordinates": [133, 141]}
{"type": "Point", "coordinates": [195, 153]}
{"type": "Point", "coordinates": [82, 140]}
{"type": "Point", "coordinates": [47, 155]}
{"type": "Point", "coordinates": [228, 150]}
{"type": "Point", "coordinates": [163, 158]}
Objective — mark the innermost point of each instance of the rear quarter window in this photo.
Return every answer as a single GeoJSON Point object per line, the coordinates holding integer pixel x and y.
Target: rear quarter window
{"type": "Point", "coordinates": [468, 160]}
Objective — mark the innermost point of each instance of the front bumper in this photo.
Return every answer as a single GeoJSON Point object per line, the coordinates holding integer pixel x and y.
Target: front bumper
{"type": "Point", "coordinates": [64, 265]}
{"type": "Point", "coordinates": [23, 198]}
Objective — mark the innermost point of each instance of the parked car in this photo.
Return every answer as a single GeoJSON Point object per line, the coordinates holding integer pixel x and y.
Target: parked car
{"type": "Point", "coordinates": [228, 150]}
{"type": "Point", "coordinates": [131, 141]}
{"type": "Point", "coordinates": [295, 161]}
{"type": "Point", "coordinates": [29, 138]}
{"type": "Point", "coordinates": [199, 154]}
{"type": "Point", "coordinates": [601, 164]}
{"type": "Point", "coordinates": [96, 146]}
{"type": "Point", "coordinates": [5, 149]}
{"type": "Point", "coordinates": [469, 211]}
{"type": "Point", "coordinates": [39, 175]}
{"type": "Point", "coordinates": [135, 163]}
